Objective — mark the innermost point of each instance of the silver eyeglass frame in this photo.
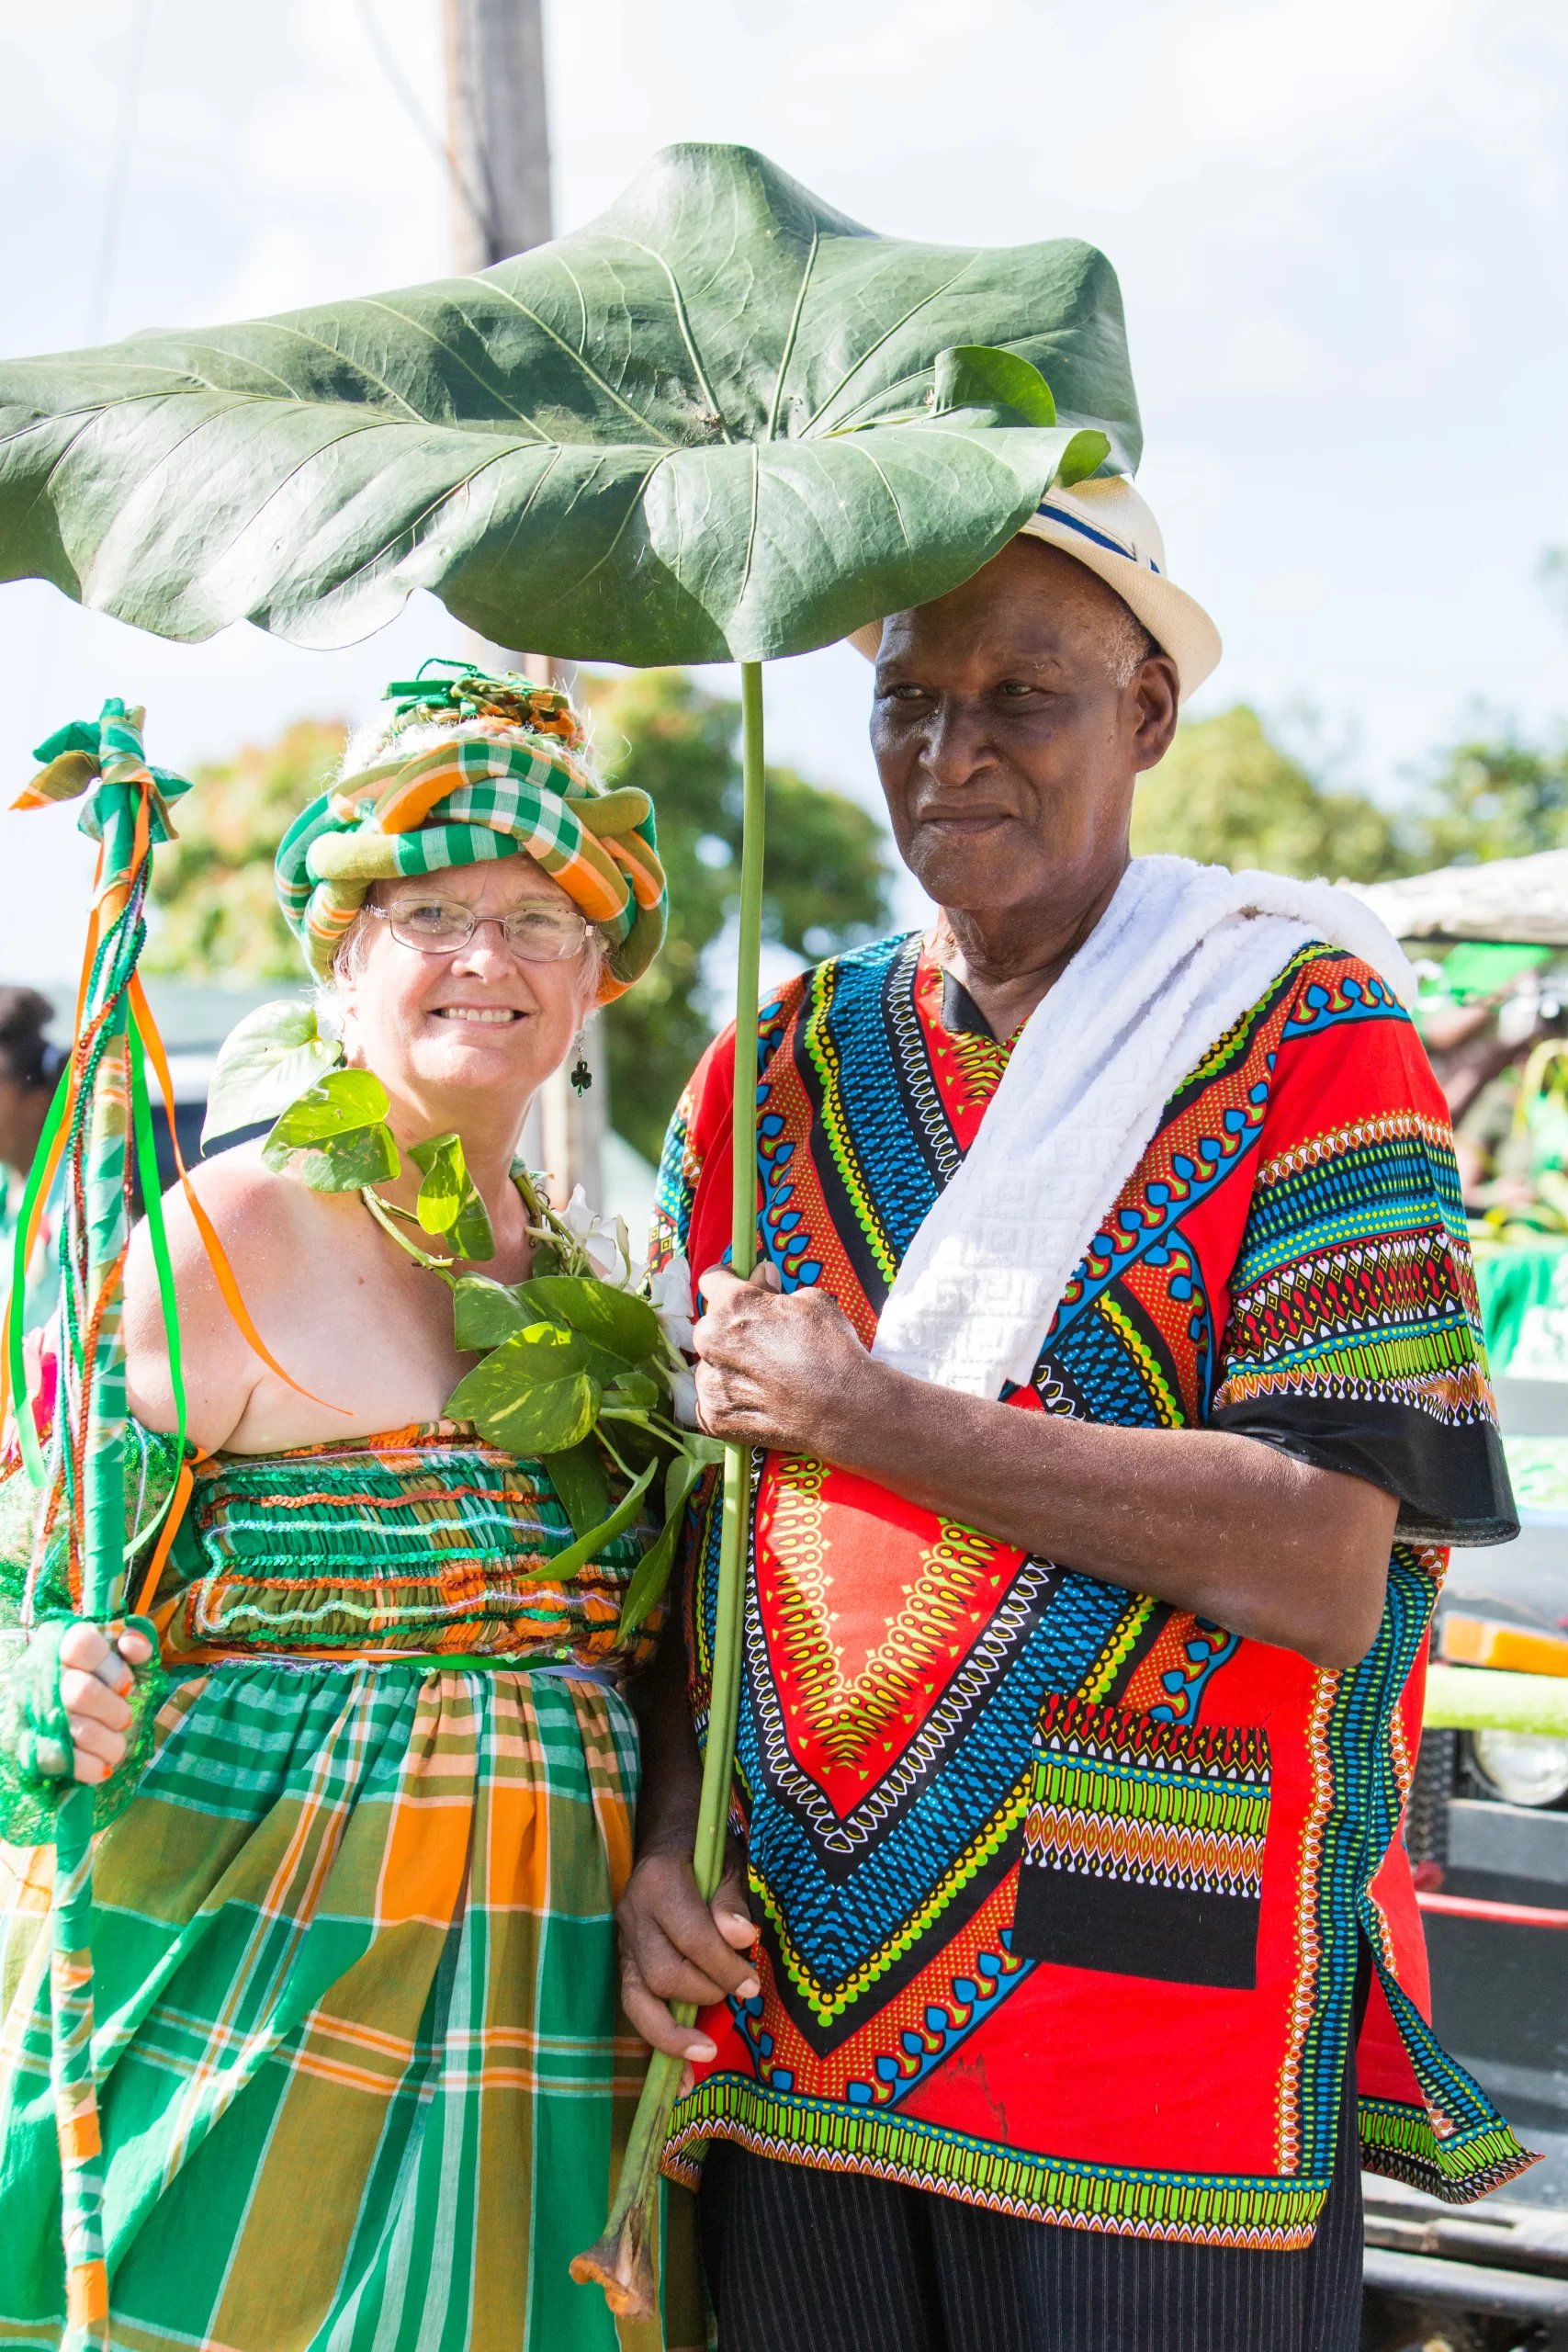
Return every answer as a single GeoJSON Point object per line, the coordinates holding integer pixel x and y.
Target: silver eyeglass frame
{"type": "Point", "coordinates": [388, 915]}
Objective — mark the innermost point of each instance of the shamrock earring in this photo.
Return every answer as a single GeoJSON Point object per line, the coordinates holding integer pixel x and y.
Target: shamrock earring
{"type": "Point", "coordinates": [582, 1077]}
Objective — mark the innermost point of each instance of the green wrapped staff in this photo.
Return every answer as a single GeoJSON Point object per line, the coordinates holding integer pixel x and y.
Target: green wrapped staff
{"type": "Point", "coordinates": [99, 1113]}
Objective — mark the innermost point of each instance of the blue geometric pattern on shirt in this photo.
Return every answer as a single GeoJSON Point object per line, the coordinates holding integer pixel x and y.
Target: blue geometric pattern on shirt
{"type": "Point", "coordinates": [844, 1908]}
{"type": "Point", "coordinates": [1389, 1184]}
{"type": "Point", "coordinates": [1079, 1619]}
{"type": "Point", "coordinates": [1352, 1000]}
{"type": "Point", "coordinates": [845, 1886]}
{"type": "Point", "coordinates": [1104, 1374]}
{"type": "Point", "coordinates": [887, 1166]}
{"type": "Point", "coordinates": [1220, 1156]}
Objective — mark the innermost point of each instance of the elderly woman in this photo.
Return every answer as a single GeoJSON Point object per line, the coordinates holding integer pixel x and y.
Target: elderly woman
{"type": "Point", "coordinates": [361, 2066]}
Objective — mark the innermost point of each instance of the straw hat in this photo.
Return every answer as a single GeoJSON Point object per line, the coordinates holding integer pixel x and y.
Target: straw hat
{"type": "Point", "coordinates": [1106, 525]}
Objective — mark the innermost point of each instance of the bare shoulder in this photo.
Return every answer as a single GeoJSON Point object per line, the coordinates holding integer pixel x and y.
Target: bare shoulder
{"type": "Point", "coordinates": [275, 1236]}
{"type": "Point", "coordinates": [254, 1211]}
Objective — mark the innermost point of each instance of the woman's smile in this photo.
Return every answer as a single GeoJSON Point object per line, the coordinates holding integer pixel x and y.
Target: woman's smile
{"type": "Point", "coordinates": [487, 1013]}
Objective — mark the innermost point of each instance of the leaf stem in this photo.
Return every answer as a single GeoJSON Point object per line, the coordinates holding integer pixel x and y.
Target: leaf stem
{"type": "Point", "coordinates": [622, 2260]}
{"type": "Point", "coordinates": [599, 1431]}
{"type": "Point", "coordinates": [383, 1217]}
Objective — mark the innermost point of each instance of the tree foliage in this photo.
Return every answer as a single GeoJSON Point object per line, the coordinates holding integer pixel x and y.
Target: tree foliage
{"type": "Point", "coordinates": [826, 880]}
{"type": "Point", "coordinates": [1501, 799]}
{"type": "Point", "coordinates": [219, 925]}
{"type": "Point", "coordinates": [1227, 796]}
{"type": "Point", "coordinates": [1227, 793]}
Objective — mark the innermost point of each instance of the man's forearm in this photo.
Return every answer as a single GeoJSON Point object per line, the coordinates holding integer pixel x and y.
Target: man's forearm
{"type": "Point", "coordinates": [1234, 1529]}
{"type": "Point", "coordinates": [672, 1784]}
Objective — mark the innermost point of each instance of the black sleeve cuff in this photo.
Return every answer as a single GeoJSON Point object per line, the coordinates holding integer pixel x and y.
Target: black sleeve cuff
{"type": "Point", "coordinates": [1451, 1478]}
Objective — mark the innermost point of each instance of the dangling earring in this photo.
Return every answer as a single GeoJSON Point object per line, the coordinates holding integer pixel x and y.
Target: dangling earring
{"type": "Point", "coordinates": [581, 1076]}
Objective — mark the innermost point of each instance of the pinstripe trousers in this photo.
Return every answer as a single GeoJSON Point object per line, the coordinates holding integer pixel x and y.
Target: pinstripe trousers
{"type": "Point", "coordinates": [800, 2260]}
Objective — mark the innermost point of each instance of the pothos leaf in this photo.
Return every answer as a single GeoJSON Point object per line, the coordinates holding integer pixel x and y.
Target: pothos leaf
{"type": "Point", "coordinates": [548, 1351]}
{"type": "Point", "coordinates": [979, 378]}
{"type": "Point", "coordinates": [534, 1418]}
{"type": "Point", "coordinates": [566, 1563]}
{"type": "Point", "coordinates": [337, 1104]}
{"type": "Point", "coordinates": [271, 1057]}
{"type": "Point", "coordinates": [449, 1200]}
{"type": "Point", "coordinates": [617, 1319]}
{"type": "Point", "coordinates": [695, 430]}
{"type": "Point", "coordinates": [646, 1586]}
{"type": "Point", "coordinates": [340, 1125]}
{"type": "Point", "coordinates": [347, 1163]}
{"type": "Point", "coordinates": [579, 1477]}
{"type": "Point", "coordinates": [485, 1312]}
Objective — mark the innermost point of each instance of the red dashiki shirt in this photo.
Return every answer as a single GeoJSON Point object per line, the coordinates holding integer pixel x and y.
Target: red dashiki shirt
{"type": "Point", "coordinates": [1063, 1889]}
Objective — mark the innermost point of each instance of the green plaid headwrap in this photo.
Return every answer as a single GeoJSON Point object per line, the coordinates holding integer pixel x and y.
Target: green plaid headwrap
{"type": "Point", "coordinates": [474, 797]}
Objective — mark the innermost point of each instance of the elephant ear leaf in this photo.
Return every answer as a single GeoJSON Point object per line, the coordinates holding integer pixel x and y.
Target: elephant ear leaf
{"type": "Point", "coordinates": [449, 1200]}
{"type": "Point", "coordinates": [338, 1129]}
{"type": "Point", "coordinates": [272, 1056]}
{"type": "Point", "coordinates": [719, 423]}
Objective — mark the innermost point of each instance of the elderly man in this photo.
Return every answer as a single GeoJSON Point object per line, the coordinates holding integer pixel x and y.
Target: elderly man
{"type": "Point", "coordinates": [1115, 1379]}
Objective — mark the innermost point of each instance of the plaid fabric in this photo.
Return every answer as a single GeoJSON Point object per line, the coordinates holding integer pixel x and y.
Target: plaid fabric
{"type": "Point", "coordinates": [458, 804]}
{"type": "Point", "coordinates": [362, 2073]}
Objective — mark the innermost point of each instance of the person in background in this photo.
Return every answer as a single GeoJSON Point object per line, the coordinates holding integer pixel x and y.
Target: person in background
{"type": "Point", "coordinates": [29, 1066]}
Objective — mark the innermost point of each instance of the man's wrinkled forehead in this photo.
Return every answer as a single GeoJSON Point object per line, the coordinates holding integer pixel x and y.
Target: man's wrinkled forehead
{"type": "Point", "coordinates": [1031, 608]}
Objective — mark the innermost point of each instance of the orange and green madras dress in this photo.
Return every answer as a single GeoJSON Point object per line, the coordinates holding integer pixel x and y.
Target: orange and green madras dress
{"type": "Point", "coordinates": [361, 2071]}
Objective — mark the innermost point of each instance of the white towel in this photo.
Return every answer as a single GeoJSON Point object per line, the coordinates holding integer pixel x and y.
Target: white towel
{"type": "Point", "coordinates": [1180, 954]}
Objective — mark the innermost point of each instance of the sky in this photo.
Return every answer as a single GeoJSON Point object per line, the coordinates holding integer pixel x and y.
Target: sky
{"type": "Point", "coordinates": [1338, 223]}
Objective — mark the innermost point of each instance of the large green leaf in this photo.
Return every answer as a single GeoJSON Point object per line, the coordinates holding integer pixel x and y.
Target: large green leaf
{"type": "Point", "coordinates": [273, 1055]}
{"type": "Point", "coordinates": [720, 421]}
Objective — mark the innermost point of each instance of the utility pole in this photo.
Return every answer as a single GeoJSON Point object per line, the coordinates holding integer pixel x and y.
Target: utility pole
{"type": "Point", "coordinates": [498, 140]}
{"type": "Point", "coordinates": [497, 130]}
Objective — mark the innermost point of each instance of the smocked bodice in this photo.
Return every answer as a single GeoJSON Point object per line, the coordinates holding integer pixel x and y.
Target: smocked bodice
{"type": "Point", "coordinates": [423, 1538]}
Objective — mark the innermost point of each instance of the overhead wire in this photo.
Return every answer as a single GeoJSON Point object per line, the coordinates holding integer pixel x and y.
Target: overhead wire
{"type": "Point", "coordinates": [120, 170]}
{"type": "Point", "coordinates": [386, 58]}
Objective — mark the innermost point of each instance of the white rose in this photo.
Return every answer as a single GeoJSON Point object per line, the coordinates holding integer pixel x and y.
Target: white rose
{"type": "Point", "coordinates": [684, 1399]}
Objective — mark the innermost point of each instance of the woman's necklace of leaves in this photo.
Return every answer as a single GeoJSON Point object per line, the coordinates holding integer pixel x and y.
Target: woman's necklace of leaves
{"type": "Point", "coordinates": [576, 1372]}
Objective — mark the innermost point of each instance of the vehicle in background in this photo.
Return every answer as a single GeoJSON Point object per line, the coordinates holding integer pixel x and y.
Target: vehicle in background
{"type": "Point", "coordinates": [1486, 1824]}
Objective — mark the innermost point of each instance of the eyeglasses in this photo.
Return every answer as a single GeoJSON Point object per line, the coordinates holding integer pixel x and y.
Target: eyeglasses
{"type": "Point", "coordinates": [538, 932]}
